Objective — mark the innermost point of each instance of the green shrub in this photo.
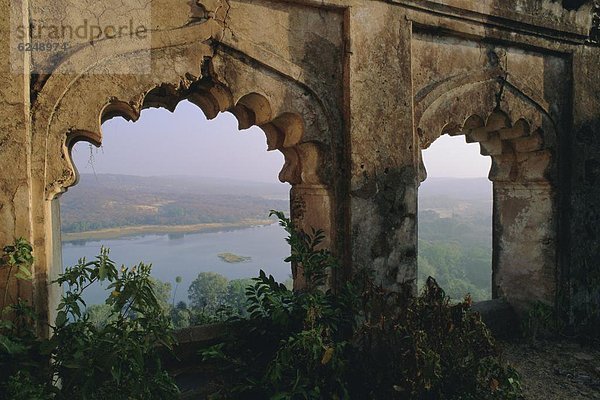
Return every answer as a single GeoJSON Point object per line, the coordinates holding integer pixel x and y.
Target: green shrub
{"type": "Point", "coordinates": [362, 342]}
{"type": "Point", "coordinates": [539, 322]}
{"type": "Point", "coordinates": [83, 359]}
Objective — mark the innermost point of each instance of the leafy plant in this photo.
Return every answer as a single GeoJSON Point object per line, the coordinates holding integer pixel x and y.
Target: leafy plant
{"type": "Point", "coordinates": [120, 359]}
{"type": "Point", "coordinates": [540, 321]}
{"type": "Point", "coordinates": [83, 360]}
{"type": "Point", "coordinates": [17, 259]}
{"type": "Point", "coordinates": [315, 262]}
{"type": "Point", "coordinates": [362, 342]}
{"type": "Point", "coordinates": [431, 348]}
{"type": "Point", "coordinates": [24, 366]}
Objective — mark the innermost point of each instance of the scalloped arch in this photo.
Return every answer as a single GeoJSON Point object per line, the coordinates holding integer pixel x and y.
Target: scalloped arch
{"type": "Point", "coordinates": [60, 119]}
{"type": "Point", "coordinates": [482, 106]}
{"type": "Point", "coordinates": [444, 107]}
{"type": "Point", "coordinates": [283, 132]}
{"type": "Point", "coordinates": [518, 153]}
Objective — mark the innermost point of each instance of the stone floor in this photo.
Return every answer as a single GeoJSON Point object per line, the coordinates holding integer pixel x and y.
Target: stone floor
{"type": "Point", "coordinates": [550, 370]}
{"type": "Point", "coordinates": [556, 370]}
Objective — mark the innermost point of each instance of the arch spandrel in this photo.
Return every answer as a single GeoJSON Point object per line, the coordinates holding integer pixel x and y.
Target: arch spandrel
{"type": "Point", "coordinates": [453, 106]}
{"type": "Point", "coordinates": [242, 74]}
{"type": "Point", "coordinates": [509, 120]}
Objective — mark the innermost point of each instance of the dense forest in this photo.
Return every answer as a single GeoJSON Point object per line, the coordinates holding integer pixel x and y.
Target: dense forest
{"type": "Point", "coordinates": [455, 235]}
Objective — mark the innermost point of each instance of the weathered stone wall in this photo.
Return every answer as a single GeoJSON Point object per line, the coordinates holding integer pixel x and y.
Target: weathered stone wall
{"type": "Point", "coordinates": [383, 165]}
{"type": "Point", "coordinates": [511, 101]}
{"type": "Point", "coordinates": [349, 91]}
{"type": "Point", "coordinates": [581, 275]}
{"type": "Point", "coordinates": [15, 146]}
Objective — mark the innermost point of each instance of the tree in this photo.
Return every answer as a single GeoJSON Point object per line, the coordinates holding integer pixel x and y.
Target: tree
{"type": "Point", "coordinates": [236, 295]}
{"type": "Point", "coordinates": [181, 316]}
{"type": "Point", "coordinates": [178, 280]}
{"type": "Point", "coordinates": [208, 291]}
{"type": "Point", "coordinates": [99, 315]}
{"type": "Point", "coordinates": [162, 290]}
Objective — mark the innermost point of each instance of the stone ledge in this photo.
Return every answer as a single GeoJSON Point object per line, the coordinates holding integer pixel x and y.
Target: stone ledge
{"type": "Point", "coordinates": [201, 333]}
{"type": "Point", "coordinates": [499, 316]}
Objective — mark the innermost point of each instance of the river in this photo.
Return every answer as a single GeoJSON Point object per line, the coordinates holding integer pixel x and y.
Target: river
{"type": "Point", "coordinates": [186, 255]}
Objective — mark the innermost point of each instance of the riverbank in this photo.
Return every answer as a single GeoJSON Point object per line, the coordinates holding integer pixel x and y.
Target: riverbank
{"type": "Point", "coordinates": [117, 233]}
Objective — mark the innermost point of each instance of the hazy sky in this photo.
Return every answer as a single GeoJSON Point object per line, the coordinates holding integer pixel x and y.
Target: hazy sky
{"type": "Point", "coordinates": [186, 143]}
{"type": "Point", "coordinates": [181, 143]}
{"type": "Point", "coordinates": [451, 156]}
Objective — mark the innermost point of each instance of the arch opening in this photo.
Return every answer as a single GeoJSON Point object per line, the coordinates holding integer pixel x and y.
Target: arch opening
{"type": "Point", "coordinates": [455, 219]}
{"type": "Point", "coordinates": [298, 126]}
{"type": "Point", "coordinates": [524, 210]}
{"type": "Point", "coordinates": [188, 194]}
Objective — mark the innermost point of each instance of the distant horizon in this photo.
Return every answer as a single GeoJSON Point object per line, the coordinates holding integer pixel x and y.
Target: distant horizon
{"type": "Point", "coordinates": [251, 181]}
{"type": "Point", "coordinates": [186, 143]}
{"type": "Point", "coordinates": [182, 175]}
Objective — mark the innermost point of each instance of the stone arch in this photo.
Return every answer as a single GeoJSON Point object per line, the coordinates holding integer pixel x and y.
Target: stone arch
{"type": "Point", "coordinates": [517, 151]}
{"type": "Point", "coordinates": [185, 65]}
{"type": "Point", "coordinates": [514, 128]}
{"type": "Point", "coordinates": [283, 132]}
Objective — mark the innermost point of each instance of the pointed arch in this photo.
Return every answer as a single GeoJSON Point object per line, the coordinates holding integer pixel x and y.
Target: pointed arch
{"type": "Point", "coordinates": [446, 107]}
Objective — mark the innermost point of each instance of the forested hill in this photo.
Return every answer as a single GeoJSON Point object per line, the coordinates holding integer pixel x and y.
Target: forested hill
{"type": "Point", "coordinates": [457, 188]}
{"type": "Point", "coordinates": [108, 201]}
{"type": "Point", "coordinates": [455, 235]}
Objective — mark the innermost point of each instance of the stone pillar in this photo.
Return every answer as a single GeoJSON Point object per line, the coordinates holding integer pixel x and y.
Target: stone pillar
{"type": "Point", "coordinates": [524, 237]}
{"type": "Point", "coordinates": [383, 150]}
{"type": "Point", "coordinates": [15, 145]}
{"type": "Point", "coordinates": [46, 239]}
{"type": "Point", "coordinates": [311, 207]}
